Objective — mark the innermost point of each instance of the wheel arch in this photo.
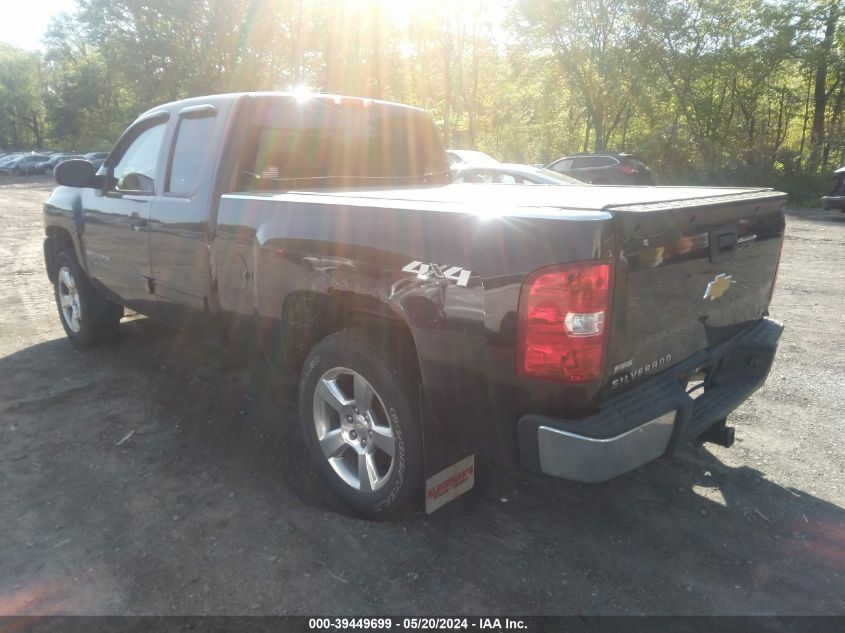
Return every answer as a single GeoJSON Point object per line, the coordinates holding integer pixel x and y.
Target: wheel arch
{"type": "Point", "coordinates": [58, 239]}
{"type": "Point", "coordinates": [307, 317]}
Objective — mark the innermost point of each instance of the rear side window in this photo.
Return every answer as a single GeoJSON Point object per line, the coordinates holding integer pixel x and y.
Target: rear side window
{"type": "Point", "coordinates": [192, 155]}
{"type": "Point", "coordinates": [585, 162]}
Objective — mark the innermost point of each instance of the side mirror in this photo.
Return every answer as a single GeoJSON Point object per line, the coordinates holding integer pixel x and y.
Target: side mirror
{"type": "Point", "coordinates": [76, 172]}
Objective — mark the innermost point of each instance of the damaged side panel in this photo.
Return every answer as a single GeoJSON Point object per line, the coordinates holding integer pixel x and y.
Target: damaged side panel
{"type": "Point", "coordinates": [292, 273]}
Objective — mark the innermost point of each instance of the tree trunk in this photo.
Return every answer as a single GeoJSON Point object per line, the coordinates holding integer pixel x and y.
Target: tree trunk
{"type": "Point", "coordinates": [820, 93]}
{"type": "Point", "coordinates": [587, 134]}
{"type": "Point", "coordinates": [598, 124]}
{"type": "Point", "coordinates": [446, 49]}
{"type": "Point", "coordinates": [474, 105]}
{"type": "Point", "coordinates": [625, 128]}
{"type": "Point", "coordinates": [779, 131]}
{"type": "Point", "coordinates": [376, 88]}
{"type": "Point", "coordinates": [835, 118]}
{"type": "Point", "coordinates": [804, 126]}
{"type": "Point", "coordinates": [36, 131]}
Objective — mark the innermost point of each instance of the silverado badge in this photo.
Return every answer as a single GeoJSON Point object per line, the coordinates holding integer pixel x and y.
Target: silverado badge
{"type": "Point", "coordinates": [718, 286]}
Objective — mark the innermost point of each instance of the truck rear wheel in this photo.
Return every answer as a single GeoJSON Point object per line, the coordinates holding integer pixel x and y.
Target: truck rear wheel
{"type": "Point", "coordinates": [359, 409]}
{"type": "Point", "coordinates": [86, 317]}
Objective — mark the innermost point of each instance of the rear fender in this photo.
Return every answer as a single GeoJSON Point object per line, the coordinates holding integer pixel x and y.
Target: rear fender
{"type": "Point", "coordinates": [332, 299]}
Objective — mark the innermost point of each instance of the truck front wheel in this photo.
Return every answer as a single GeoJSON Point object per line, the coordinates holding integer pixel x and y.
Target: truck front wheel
{"type": "Point", "coordinates": [86, 317]}
{"type": "Point", "coordinates": [359, 408]}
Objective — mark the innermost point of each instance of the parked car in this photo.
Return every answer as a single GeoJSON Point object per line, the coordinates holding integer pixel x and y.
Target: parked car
{"type": "Point", "coordinates": [456, 156]}
{"type": "Point", "coordinates": [509, 173]}
{"type": "Point", "coordinates": [31, 167]}
{"type": "Point", "coordinates": [605, 169]}
{"type": "Point", "coordinates": [8, 159]}
{"type": "Point", "coordinates": [34, 167]}
{"type": "Point", "coordinates": [836, 198]}
{"type": "Point", "coordinates": [96, 158]}
{"type": "Point", "coordinates": [47, 167]}
{"type": "Point", "coordinates": [20, 165]}
{"type": "Point", "coordinates": [561, 328]}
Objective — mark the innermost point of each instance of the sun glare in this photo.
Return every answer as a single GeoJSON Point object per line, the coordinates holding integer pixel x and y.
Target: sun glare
{"type": "Point", "coordinates": [301, 93]}
{"type": "Point", "coordinates": [400, 11]}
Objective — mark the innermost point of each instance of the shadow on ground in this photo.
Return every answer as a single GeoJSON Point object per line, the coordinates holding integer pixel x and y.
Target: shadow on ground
{"type": "Point", "coordinates": [163, 476]}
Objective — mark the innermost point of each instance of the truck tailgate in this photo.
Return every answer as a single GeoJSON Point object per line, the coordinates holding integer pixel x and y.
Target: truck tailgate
{"type": "Point", "coordinates": [690, 275]}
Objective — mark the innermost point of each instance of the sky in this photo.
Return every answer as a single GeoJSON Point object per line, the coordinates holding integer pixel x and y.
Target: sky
{"type": "Point", "coordinates": [24, 22]}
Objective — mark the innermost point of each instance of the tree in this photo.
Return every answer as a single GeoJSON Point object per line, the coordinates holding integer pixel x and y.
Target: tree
{"type": "Point", "coordinates": [823, 55]}
{"type": "Point", "coordinates": [21, 98]}
{"type": "Point", "coordinates": [589, 39]}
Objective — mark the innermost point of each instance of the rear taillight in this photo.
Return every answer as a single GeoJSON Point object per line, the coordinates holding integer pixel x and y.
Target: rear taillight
{"type": "Point", "coordinates": [630, 170]}
{"type": "Point", "coordinates": [563, 321]}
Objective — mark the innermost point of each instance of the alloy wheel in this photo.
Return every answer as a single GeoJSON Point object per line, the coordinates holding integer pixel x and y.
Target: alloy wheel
{"type": "Point", "coordinates": [354, 430]}
{"type": "Point", "coordinates": [69, 300]}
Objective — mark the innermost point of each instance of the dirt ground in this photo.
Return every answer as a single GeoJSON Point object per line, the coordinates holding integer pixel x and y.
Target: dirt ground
{"type": "Point", "coordinates": [161, 475]}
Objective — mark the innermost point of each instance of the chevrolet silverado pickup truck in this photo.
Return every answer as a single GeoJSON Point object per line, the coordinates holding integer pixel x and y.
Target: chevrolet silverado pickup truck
{"type": "Point", "coordinates": [579, 331]}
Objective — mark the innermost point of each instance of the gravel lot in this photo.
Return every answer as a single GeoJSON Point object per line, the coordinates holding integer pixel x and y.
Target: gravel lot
{"type": "Point", "coordinates": [162, 475]}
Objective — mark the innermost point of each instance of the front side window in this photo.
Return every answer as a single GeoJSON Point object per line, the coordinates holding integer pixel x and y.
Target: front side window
{"type": "Point", "coordinates": [136, 170]}
{"type": "Point", "coordinates": [562, 165]}
{"type": "Point", "coordinates": [472, 177]}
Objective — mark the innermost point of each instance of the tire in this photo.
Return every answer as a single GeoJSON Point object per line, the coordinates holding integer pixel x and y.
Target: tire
{"type": "Point", "coordinates": [358, 403]}
{"type": "Point", "coordinates": [86, 317]}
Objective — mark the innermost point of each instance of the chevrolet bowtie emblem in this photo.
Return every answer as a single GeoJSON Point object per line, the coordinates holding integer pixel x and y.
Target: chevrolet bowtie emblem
{"type": "Point", "coordinates": [718, 286]}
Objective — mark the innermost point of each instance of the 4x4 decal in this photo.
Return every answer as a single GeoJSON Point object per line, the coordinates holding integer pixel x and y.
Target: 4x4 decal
{"type": "Point", "coordinates": [437, 271]}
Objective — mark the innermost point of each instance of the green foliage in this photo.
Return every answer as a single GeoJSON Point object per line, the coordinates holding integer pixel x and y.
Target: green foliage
{"type": "Point", "coordinates": [707, 91]}
{"type": "Point", "coordinates": [21, 99]}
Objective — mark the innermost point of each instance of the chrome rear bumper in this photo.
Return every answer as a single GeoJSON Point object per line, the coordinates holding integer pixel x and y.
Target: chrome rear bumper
{"type": "Point", "coordinates": [579, 458]}
{"type": "Point", "coordinates": [653, 418]}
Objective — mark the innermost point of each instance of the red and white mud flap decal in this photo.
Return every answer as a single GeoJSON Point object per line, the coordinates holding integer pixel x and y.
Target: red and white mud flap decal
{"type": "Point", "coordinates": [449, 484]}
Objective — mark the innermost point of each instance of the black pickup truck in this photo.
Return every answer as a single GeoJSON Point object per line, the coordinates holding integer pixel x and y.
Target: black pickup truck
{"type": "Point", "coordinates": [580, 331]}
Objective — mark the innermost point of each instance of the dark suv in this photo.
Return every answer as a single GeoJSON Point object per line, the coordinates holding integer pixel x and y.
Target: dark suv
{"type": "Point", "coordinates": [607, 168]}
{"type": "Point", "coordinates": [836, 198]}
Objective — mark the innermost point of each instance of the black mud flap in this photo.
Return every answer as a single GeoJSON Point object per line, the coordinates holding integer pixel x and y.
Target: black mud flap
{"type": "Point", "coordinates": [449, 470]}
